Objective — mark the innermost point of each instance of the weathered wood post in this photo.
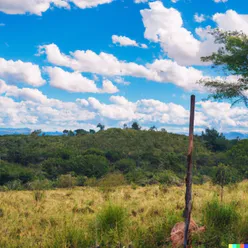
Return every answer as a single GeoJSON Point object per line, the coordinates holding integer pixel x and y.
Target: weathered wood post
{"type": "Point", "coordinates": [188, 195]}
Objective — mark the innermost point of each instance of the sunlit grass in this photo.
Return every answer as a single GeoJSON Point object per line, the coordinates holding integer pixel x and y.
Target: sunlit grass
{"type": "Point", "coordinates": [70, 218]}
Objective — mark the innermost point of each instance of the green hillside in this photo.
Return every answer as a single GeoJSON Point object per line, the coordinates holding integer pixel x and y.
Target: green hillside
{"type": "Point", "coordinates": [142, 157]}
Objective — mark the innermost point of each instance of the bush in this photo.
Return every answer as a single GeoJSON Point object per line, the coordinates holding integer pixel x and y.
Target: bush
{"type": "Point", "coordinates": [125, 165]}
{"type": "Point", "coordinates": [94, 151]}
{"type": "Point", "coordinates": [71, 237]}
{"type": "Point", "coordinates": [167, 177]}
{"type": "Point", "coordinates": [40, 185]}
{"type": "Point", "coordinates": [95, 166]}
{"type": "Point", "coordinates": [81, 180]}
{"type": "Point", "coordinates": [66, 181]}
{"type": "Point", "coordinates": [111, 222]}
{"type": "Point", "coordinates": [91, 182]}
{"type": "Point", "coordinates": [113, 156]}
{"type": "Point", "coordinates": [221, 221]}
{"type": "Point", "coordinates": [112, 180]}
{"type": "Point", "coordinates": [14, 185]}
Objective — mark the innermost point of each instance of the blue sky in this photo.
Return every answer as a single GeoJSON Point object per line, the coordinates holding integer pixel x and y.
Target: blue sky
{"type": "Point", "coordinates": [73, 63]}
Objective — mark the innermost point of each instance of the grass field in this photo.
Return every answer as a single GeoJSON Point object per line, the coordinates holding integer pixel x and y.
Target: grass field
{"type": "Point", "coordinates": [123, 217]}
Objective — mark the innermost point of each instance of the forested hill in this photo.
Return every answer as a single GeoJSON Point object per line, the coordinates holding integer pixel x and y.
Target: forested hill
{"type": "Point", "coordinates": [142, 157]}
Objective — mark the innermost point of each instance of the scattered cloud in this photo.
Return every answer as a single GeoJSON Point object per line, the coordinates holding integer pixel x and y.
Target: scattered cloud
{"type": "Point", "coordinates": [20, 72]}
{"type": "Point", "coordinates": [75, 82]}
{"type": "Point", "coordinates": [109, 65]}
{"type": "Point", "coordinates": [199, 18]}
{"type": "Point", "coordinates": [37, 7]}
{"type": "Point", "coordinates": [31, 108]}
{"type": "Point", "coordinates": [220, 1]}
{"type": "Point", "coordinates": [141, 1]}
{"type": "Point", "coordinates": [120, 80]}
{"type": "Point", "coordinates": [125, 41]}
{"type": "Point", "coordinates": [2, 24]}
{"type": "Point", "coordinates": [166, 27]}
{"type": "Point", "coordinates": [232, 21]}
{"type": "Point", "coordinates": [89, 3]}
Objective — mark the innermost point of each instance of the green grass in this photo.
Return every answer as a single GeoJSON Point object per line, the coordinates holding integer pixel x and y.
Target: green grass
{"type": "Point", "coordinates": [138, 217]}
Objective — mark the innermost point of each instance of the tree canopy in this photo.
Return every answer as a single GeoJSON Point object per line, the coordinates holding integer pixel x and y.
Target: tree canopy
{"type": "Point", "coordinates": [232, 59]}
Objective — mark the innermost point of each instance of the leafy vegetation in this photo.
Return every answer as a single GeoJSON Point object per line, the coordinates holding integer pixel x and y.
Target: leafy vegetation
{"type": "Point", "coordinates": [143, 157]}
{"type": "Point", "coordinates": [232, 59]}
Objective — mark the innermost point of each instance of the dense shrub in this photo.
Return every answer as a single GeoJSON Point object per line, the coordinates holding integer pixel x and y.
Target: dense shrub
{"type": "Point", "coordinates": [111, 222]}
{"type": "Point", "coordinates": [222, 225]}
{"type": "Point", "coordinates": [125, 165]}
{"type": "Point", "coordinates": [66, 181]}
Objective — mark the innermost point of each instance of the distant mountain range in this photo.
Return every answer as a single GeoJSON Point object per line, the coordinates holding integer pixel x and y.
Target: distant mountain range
{"type": "Point", "coordinates": [8, 131]}
{"type": "Point", "coordinates": [234, 135]}
{"type": "Point", "coordinates": [27, 131]}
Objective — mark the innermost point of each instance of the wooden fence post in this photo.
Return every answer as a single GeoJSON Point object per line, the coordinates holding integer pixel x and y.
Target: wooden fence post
{"type": "Point", "coordinates": [188, 195]}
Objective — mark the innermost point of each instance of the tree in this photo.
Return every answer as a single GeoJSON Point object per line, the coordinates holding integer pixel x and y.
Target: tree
{"type": "Point", "coordinates": [80, 132]}
{"type": "Point", "coordinates": [71, 133]}
{"type": "Point", "coordinates": [65, 132]}
{"type": "Point", "coordinates": [224, 175]}
{"type": "Point", "coordinates": [214, 140]}
{"type": "Point", "coordinates": [153, 128]}
{"type": "Point", "coordinates": [102, 127]}
{"type": "Point", "coordinates": [92, 131]}
{"type": "Point", "coordinates": [232, 59]}
{"type": "Point", "coordinates": [36, 133]}
{"type": "Point", "coordinates": [136, 126]}
{"type": "Point", "coordinates": [125, 126]}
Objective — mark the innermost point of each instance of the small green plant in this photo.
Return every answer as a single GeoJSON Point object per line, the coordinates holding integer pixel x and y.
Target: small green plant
{"type": "Point", "coordinates": [221, 221]}
{"type": "Point", "coordinates": [72, 238]}
{"type": "Point", "coordinates": [224, 175]}
{"type": "Point", "coordinates": [111, 222]}
{"type": "Point", "coordinates": [39, 196]}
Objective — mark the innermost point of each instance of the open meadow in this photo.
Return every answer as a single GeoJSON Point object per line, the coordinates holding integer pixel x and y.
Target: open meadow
{"type": "Point", "coordinates": [127, 216]}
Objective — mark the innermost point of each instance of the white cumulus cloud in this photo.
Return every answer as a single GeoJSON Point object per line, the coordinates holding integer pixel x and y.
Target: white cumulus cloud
{"type": "Point", "coordinates": [75, 82]}
{"type": "Point", "coordinates": [199, 18]}
{"type": "Point", "coordinates": [20, 72]}
{"type": "Point", "coordinates": [37, 7]}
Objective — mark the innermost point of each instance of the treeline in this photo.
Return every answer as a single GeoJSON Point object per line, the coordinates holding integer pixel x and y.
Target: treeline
{"type": "Point", "coordinates": [127, 155]}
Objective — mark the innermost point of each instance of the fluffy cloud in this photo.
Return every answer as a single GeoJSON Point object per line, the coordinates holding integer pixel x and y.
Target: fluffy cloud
{"type": "Point", "coordinates": [37, 7]}
{"type": "Point", "coordinates": [86, 61]}
{"type": "Point", "coordinates": [75, 82]}
{"type": "Point", "coordinates": [125, 41]}
{"type": "Point", "coordinates": [109, 65]}
{"type": "Point", "coordinates": [165, 26]}
{"type": "Point", "coordinates": [18, 71]}
{"type": "Point", "coordinates": [31, 108]}
{"type": "Point", "coordinates": [220, 1]}
{"type": "Point", "coordinates": [232, 21]}
{"type": "Point", "coordinates": [120, 80]}
{"type": "Point", "coordinates": [199, 18]}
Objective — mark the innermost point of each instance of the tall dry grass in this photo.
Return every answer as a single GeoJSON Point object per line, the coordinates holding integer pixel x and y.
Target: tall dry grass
{"type": "Point", "coordinates": [126, 216]}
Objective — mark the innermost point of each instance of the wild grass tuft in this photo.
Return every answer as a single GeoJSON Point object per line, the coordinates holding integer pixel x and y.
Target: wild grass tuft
{"type": "Point", "coordinates": [111, 222]}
